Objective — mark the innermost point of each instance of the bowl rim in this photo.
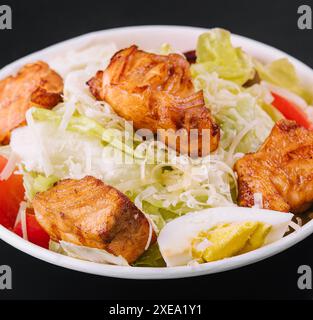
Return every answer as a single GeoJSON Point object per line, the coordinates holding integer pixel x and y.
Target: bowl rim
{"type": "Point", "coordinates": [149, 272]}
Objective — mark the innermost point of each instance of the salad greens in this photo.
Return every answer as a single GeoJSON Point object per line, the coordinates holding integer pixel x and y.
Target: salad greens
{"type": "Point", "coordinates": [215, 53]}
{"type": "Point", "coordinates": [163, 189]}
{"type": "Point", "coordinates": [282, 73]}
{"type": "Point", "coordinates": [35, 182]}
{"type": "Point", "coordinates": [84, 137]}
{"type": "Point", "coordinates": [151, 258]}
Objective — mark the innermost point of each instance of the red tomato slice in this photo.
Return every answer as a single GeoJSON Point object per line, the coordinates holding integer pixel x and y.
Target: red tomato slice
{"type": "Point", "coordinates": [291, 111]}
{"type": "Point", "coordinates": [11, 194]}
{"type": "Point", "coordinates": [35, 233]}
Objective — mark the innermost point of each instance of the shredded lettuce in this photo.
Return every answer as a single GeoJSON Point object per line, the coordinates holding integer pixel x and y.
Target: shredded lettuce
{"type": "Point", "coordinates": [239, 112]}
{"type": "Point", "coordinates": [162, 187]}
{"type": "Point", "coordinates": [243, 114]}
{"type": "Point", "coordinates": [89, 59]}
{"type": "Point", "coordinates": [215, 53]}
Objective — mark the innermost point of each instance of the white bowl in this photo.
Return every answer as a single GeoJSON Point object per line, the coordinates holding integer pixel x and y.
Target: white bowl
{"type": "Point", "coordinates": [147, 37]}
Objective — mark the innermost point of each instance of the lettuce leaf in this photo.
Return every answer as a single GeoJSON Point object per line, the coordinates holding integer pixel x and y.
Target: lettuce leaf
{"type": "Point", "coordinates": [272, 112]}
{"type": "Point", "coordinates": [151, 258]}
{"type": "Point", "coordinates": [215, 53]}
{"type": "Point", "coordinates": [283, 74]}
{"type": "Point", "coordinates": [35, 182]}
{"type": "Point", "coordinates": [77, 123]}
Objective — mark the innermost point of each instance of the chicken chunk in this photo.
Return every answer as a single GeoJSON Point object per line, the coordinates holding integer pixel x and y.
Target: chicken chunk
{"type": "Point", "coordinates": [282, 170]}
{"type": "Point", "coordinates": [34, 85]}
{"type": "Point", "coordinates": [156, 92]}
{"type": "Point", "coordinates": [90, 213]}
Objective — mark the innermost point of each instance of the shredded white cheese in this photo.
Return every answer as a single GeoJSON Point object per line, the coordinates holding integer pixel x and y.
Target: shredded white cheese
{"type": "Point", "coordinates": [9, 167]}
{"type": "Point", "coordinates": [294, 226]}
{"type": "Point", "coordinates": [258, 200]}
{"type": "Point", "coordinates": [22, 218]}
{"type": "Point", "coordinates": [237, 140]}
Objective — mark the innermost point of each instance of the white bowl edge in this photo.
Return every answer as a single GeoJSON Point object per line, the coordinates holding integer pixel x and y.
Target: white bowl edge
{"type": "Point", "coordinates": [152, 37]}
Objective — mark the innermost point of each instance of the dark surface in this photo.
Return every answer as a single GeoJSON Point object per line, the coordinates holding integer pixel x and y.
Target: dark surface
{"type": "Point", "coordinates": [36, 26]}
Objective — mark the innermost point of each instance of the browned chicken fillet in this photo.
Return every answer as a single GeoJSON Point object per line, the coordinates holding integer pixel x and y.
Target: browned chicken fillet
{"type": "Point", "coordinates": [34, 84]}
{"type": "Point", "coordinates": [90, 213]}
{"type": "Point", "coordinates": [156, 92]}
{"type": "Point", "coordinates": [282, 170]}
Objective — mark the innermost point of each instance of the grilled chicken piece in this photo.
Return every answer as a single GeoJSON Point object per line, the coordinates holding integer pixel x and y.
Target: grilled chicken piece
{"type": "Point", "coordinates": [34, 85]}
{"type": "Point", "coordinates": [87, 212]}
{"type": "Point", "coordinates": [282, 170]}
{"type": "Point", "coordinates": [156, 92]}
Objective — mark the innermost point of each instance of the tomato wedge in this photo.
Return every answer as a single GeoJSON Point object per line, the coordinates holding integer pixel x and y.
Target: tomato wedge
{"type": "Point", "coordinates": [35, 233]}
{"type": "Point", "coordinates": [11, 194]}
{"type": "Point", "coordinates": [291, 111]}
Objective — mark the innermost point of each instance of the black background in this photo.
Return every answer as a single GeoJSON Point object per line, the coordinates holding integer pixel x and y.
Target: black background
{"type": "Point", "coordinates": [37, 24]}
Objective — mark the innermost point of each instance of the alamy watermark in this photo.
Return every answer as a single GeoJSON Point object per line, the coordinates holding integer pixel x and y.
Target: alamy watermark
{"type": "Point", "coordinates": [163, 146]}
{"type": "Point", "coordinates": [5, 277]}
{"type": "Point", "coordinates": [305, 278]}
{"type": "Point", "coordinates": [5, 17]}
{"type": "Point", "coordinates": [305, 18]}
